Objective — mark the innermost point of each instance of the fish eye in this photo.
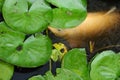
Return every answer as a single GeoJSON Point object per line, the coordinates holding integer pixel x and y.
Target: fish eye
{"type": "Point", "coordinates": [59, 29]}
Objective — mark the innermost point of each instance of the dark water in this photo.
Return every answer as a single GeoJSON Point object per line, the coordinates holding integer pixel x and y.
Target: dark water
{"type": "Point", "coordinates": [26, 73]}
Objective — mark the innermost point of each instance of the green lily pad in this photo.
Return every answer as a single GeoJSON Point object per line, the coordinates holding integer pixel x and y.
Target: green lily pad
{"type": "Point", "coordinates": [38, 77]}
{"type": "Point", "coordinates": [68, 13]}
{"type": "Point", "coordinates": [61, 74]}
{"type": "Point", "coordinates": [74, 67]}
{"type": "Point", "coordinates": [32, 52]}
{"type": "Point", "coordinates": [28, 16]}
{"type": "Point", "coordinates": [65, 74]}
{"type": "Point", "coordinates": [75, 60]}
{"type": "Point", "coordinates": [1, 4]}
{"type": "Point", "coordinates": [6, 71]}
{"type": "Point", "coordinates": [106, 66]}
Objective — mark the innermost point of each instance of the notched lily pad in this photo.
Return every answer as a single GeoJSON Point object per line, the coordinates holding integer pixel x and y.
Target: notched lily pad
{"type": "Point", "coordinates": [32, 52]}
{"type": "Point", "coordinates": [6, 71]}
{"type": "Point", "coordinates": [38, 77]}
{"type": "Point", "coordinates": [28, 16]}
{"type": "Point", "coordinates": [106, 66]}
{"type": "Point", "coordinates": [61, 74]}
{"type": "Point", "coordinates": [65, 74]}
{"type": "Point", "coordinates": [68, 13]}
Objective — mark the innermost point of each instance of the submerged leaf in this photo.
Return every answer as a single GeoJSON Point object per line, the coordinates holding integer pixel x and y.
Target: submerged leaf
{"type": "Point", "coordinates": [27, 16]}
{"type": "Point", "coordinates": [32, 52]}
{"type": "Point", "coordinates": [106, 66]}
{"type": "Point", "coordinates": [6, 71]}
{"type": "Point", "coordinates": [68, 13]}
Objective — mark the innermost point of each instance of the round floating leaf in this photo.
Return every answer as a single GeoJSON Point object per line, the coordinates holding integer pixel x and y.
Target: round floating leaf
{"type": "Point", "coordinates": [6, 71]}
{"type": "Point", "coordinates": [68, 13]}
{"type": "Point", "coordinates": [28, 16]}
{"type": "Point", "coordinates": [1, 4]}
{"type": "Point", "coordinates": [76, 61]}
{"type": "Point", "coordinates": [32, 52]}
{"type": "Point", "coordinates": [38, 77]}
{"type": "Point", "coordinates": [69, 4]}
{"type": "Point", "coordinates": [106, 66]}
{"type": "Point", "coordinates": [63, 74]}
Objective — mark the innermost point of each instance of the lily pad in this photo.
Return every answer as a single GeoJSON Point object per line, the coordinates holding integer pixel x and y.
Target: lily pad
{"type": "Point", "coordinates": [75, 60]}
{"type": "Point", "coordinates": [1, 4]}
{"type": "Point", "coordinates": [28, 16]}
{"type": "Point", "coordinates": [38, 77]}
{"type": "Point", "coordinates": [6, 71]}
{"type": "Point", "coordinates": [106, 66]}
{"type": "Point", "coordinates": [68, 13]}
{"type": "Point", "coordinates": [62, 74]}
{"type": "Point", "coordinates": [15, 49]}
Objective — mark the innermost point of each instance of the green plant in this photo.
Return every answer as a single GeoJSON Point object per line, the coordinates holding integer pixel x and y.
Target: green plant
{"type": "Point", "coordinates": [105, 66]}
{"type": "Point", "coordinates": [74, 67]}
{"type": "Point", "coordinates": [32, 17]}
{"type": "Point", "coordinates": [6, 70]}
